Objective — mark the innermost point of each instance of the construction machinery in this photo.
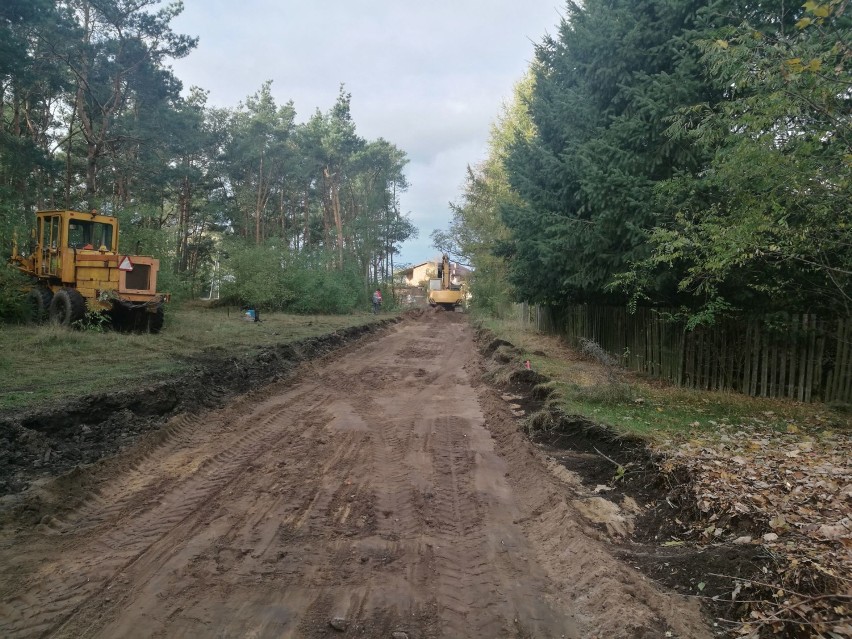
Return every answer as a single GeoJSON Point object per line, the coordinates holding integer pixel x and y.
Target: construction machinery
{"type": "Point", "coordinates": [76, 267]}
{"type": "Point", "coordinates": [442, 291]}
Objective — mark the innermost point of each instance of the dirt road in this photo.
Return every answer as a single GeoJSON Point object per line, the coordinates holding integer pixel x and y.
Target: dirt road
{"type": "Point", "coordinates": [384, 490]}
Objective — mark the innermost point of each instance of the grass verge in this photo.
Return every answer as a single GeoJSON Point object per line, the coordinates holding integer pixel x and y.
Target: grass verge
{"type": "Point", "coordinates": [46, 364]}
{"type": "Point", "coordinates": [746, 478]}
{"type": "Point", "coordinates": [642, 406]}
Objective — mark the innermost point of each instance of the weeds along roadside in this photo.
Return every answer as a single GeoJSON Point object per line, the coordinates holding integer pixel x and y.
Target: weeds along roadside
{"type": "Point", "coordinates": [48, 363]}
{"type": "Point", "coordinates": [767, 481]}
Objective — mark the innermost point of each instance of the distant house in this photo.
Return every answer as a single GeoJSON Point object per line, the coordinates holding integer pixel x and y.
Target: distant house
{"type": "Point", "coordinates": [420, 274]}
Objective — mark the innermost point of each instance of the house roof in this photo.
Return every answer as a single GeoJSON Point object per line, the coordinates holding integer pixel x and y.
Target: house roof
{"type": "Point", "coordinates": [458, 268]}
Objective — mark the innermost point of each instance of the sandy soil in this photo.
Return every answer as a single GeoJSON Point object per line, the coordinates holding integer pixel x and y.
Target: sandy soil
{"type": "Point", "coordinates": [385, 492]}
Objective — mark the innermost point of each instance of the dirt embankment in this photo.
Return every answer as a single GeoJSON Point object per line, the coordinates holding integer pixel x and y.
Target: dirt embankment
{"type": "Point", "coordinates": [50, 440]}
{"type": "Point", "coordinates": [753, 588]}
{"type": "Point", "coordinates": [384, 491]}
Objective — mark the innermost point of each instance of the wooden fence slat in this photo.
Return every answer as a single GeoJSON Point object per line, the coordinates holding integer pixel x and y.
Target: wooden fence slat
{"type": "Point", "coordinates": [658, 354]}
{"type": "Point", "coordinates": [721, 353]}
{"type": "Point", "coordinates": [820, 348]}
{"type": "Point", "coordinates": [795, 356]}
{"type": "Point", "coordinates": [782, 360]}
{"type": "Point", "coordinates": [764, 366]}
{"type": "Point", "coordinates": [732, 358]}
{"type": "Point", "coordinates": [706, 372]}
{"type": "Point", "coordinates": [846, 396]}
{"type": "Point", "coordinates": [838, 354]}
{"type": "Point", "coordinates": [803, 354]}
{"type": "Point", "coordinates": [773, 368]}
{"type": "Point", "coordinates": [839, 360]}
{"type": "Point", "coordinates": [755, 359]}
{"type": "Point", "coordinates": [845, 393]}
{"type": "Point", "coordinates": [746, 359]}
{"type": "Point", "coordinates": [699, 358]}
{"type": "Point", "coordinates": [809, 375]}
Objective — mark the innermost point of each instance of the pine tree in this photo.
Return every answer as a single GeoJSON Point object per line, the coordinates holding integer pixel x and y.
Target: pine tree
{"type": "Point", "coordinates": [604, 88]}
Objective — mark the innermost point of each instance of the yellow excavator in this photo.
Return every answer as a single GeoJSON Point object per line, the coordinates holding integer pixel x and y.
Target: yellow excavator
{"type": "Point", "coordinates": [75, 264]}
{"type": "Point", "coordinates": [442, 291]}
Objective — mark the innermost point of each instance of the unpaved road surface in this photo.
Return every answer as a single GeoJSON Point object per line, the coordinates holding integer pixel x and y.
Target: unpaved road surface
{"type": "Point", "coordinates": [384, 490]}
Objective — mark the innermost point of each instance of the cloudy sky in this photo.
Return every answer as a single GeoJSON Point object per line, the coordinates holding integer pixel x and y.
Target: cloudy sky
{"type": "Point", "coordinates": [427, 75]}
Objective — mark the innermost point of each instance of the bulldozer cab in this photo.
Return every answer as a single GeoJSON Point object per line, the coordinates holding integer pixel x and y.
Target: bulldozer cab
{"type": "Point", "coordinates": [76, 268]}
{"type": "Point", "coordinates": [61, 234]}
{"type": "Point", "coordinates": [84, 234]}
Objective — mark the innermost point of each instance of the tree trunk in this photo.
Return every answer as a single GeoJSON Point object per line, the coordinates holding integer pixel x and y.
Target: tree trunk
{"type": "Point", "coordinates": [258, 204]}
{"type": "Point", "coordinates": [335, 209]}
{"type": "Point", "coordinates": [307, 204]}
{"type": "Point", "coordinates": [91, 170]}
{"type": "Point", "coordinates": [183, 225]}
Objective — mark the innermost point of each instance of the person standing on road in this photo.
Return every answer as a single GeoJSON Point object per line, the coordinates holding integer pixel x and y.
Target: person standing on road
{"type": "Point", "coordinates": [377, 301]}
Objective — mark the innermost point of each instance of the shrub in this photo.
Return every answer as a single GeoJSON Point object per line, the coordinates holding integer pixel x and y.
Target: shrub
{"type": "Point", "coordinates": [14, 285]}
{"type": "Point", "coordinates": [274, 279]}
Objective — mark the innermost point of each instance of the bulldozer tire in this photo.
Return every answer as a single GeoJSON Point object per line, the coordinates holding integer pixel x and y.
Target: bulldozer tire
{"type": "Point", "coordinates": [67, 307]}
{"type": "Point", "coordinates": [155, 320]}
{"type": "Point", "coordinates": [39, 298]}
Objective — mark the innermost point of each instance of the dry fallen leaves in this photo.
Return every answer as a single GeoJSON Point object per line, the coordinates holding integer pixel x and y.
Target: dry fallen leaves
{"type": "Point", "coordinates": [791, 492]}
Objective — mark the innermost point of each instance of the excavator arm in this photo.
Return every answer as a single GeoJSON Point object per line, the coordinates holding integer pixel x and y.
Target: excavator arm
{"type": "Point", "coordinates": [447, 296]}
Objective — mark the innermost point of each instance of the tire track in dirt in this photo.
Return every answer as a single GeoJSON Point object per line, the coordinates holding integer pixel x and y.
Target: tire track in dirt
{"type": "Point", "coordinates": [366, 489]}
{"type": "Point", "coordinates": [152, 522]}
{"type": "Point", "coordinates": [185, 432]}
{"type": "Point", "coordinates": [229, 549]}
{"type": "Point", "coordinates": [464, 571]}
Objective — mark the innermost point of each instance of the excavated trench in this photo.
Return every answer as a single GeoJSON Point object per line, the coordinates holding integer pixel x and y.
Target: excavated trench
{"type": "Point", "coordinates": [659, 543]}
{"type": "Point", "coordinates": [51, 440]}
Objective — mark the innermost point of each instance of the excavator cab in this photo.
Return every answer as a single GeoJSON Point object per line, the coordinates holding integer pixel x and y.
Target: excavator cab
{"type": "Point", "coordinates": [442, 291]}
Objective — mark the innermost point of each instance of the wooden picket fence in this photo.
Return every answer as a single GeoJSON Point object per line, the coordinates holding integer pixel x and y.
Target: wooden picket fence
{"type": "Point", "coordinates": [799, 356]}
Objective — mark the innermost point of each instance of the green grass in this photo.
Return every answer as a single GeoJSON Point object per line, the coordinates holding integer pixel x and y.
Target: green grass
{"type": "Point", "coordinates": [45, 363]}
{"type": "Point", "coordinates": [638, 405]}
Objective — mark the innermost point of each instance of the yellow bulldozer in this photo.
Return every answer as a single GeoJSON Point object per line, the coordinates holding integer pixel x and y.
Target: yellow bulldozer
{"type": "Point", "coordinates": [442, 291]}
{"type": "Point", "coordinates": [76, 267]}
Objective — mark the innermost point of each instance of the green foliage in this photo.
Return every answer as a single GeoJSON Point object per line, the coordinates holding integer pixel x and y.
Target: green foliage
{"type": "Point", "coordinates": [766, 223]}
{"type": "Point", "coordinates": [274, 279]}
{"type": "Point", "coordinates": [255, 276]}
{"type": "Point", "coordinates": [14, 307]}
{"type": "Point", "coordinates": [93, 321]}
{"type": "Point", "coordinates": [489, 287]}
{"type": "Point", "coordinates": [696, 156]}
{"type": "Point", "coordinates": [604, 88]}
{"type": "Point", "coordinates": [316, 289]}
{"type": "Point", "coordinates": [477, 231]}
{"type": "Point", "coordinates": [93, 118]}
